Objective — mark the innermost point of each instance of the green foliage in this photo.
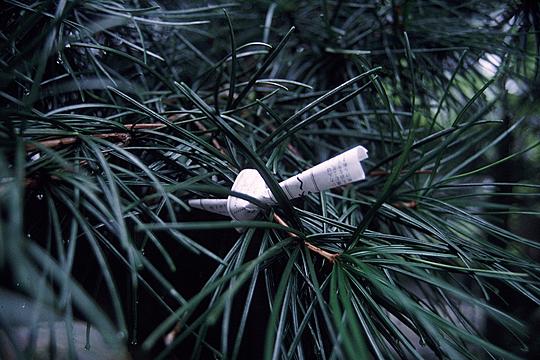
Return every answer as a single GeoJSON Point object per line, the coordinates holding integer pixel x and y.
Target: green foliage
{"type": "Point", "coordinates": [115, 113]}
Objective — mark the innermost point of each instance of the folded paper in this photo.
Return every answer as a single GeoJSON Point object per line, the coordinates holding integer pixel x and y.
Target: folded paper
{"type": "Point", "coordinates": [340, 170]}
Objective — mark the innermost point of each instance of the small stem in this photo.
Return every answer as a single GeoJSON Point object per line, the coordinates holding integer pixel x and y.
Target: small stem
{"type": "Point", "coordinates": [405, 204]}
{"type": "Point", "coordinates": [123, 137]}
{"type": "Point", "coordinates": [386, 173]}
{"type": "Point", "coordinates": [280, 221]}
{"type": "Point", "coordinates": [327, 255]}
{"type": "Point", "coordinates": [215, 142]}
{"type": "Point", "coordinates": [144, 126]}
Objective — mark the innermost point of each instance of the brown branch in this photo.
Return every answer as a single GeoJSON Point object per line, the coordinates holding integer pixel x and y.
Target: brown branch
{"type": "Point", "coordinates": [405, 204]}
{"type": "Point", "coordinates": [34, 182]}
{"type": "Point", "coordinates": [121, 136]}
{"type": "Point", "coordinates": [53, 143]}
{"type": "Point", "coordinates": [386, 173]}
{"type": "Point", "coordinates": [144, 126]}
{"type": "Point", "coordinates": [215, 142]}
{"type": "Point", "coordinates": [327, 255]}
{"type": "Point", "coordinates": [280, 221]}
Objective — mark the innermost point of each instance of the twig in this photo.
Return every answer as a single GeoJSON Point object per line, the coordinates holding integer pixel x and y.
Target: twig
{"type": "Point", "coordinates": [123, 137]}
{"type": "Point", "coordinates": [327, 255]}
{"type": "Point", "coordinates": [144, 126]}
{"type": "Point", "coordinates": [405, 204]}
{"type": "Point", "coordinates": [386, 173]}
{"type": "Point", "coordinates": [215, 142]}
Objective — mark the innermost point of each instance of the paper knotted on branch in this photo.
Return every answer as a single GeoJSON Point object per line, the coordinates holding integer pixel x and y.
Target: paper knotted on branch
{"type": "Point", "coordinates": [340, 170]}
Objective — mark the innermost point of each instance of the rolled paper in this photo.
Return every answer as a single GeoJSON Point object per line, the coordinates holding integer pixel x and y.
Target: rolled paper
{"type": "Point", "coordinates": [248, 182]}
{"type": "Point", "coordinates": [218, 206]}
{"type": "Point", "coordinates": [340, 170]}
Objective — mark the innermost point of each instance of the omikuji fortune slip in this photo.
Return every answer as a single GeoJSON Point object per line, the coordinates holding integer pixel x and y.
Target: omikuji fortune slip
{"type": "Point", "coordinates": [340, 170]}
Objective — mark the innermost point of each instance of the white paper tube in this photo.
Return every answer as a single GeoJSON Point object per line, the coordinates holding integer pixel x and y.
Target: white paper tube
{"type": "Point", "coordinates": [248, 182]}
{"type": "Point", "coordinates": [340, 170]}
{"type": "Point", "coordinates": [218, 206]}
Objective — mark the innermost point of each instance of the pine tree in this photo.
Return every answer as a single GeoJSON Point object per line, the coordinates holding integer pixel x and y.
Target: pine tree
{"type": "Point", "coordinates": [116, 113]}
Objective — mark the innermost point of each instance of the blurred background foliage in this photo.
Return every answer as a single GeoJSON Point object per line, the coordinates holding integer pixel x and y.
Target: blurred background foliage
{"type": "Point", "coordinates": [115, 113]}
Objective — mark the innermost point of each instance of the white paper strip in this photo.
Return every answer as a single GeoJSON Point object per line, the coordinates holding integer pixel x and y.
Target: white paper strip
{"type": "Point", "coordinates": [248, 182]}
{"type": "Point", "coordinates": [340, 170]}
{"type": "Point", "coordinates": [218, 206]}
